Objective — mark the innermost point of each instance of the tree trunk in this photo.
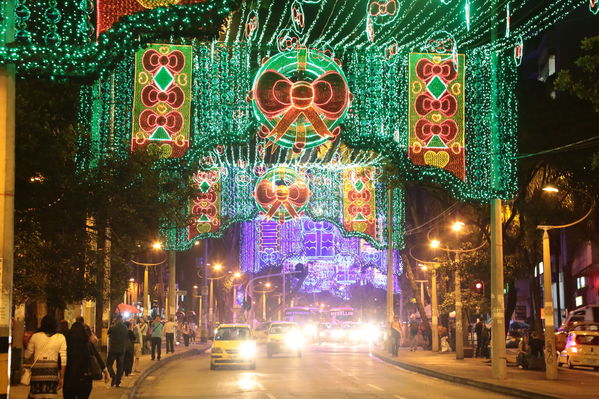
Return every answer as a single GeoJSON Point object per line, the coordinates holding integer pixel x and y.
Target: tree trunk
{"type": "Point", "coordinates": [512, 299]}
{"type": "Point", "coordinates": [413, 284]}
{"type": "Point", "coordinates": [536, 310]}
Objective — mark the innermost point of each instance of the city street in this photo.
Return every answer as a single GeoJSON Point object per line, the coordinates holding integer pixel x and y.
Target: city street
{"type": "Point", "coordinates": [324, 372]}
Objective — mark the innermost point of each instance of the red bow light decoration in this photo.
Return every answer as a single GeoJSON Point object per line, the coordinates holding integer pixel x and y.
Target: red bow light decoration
{"type": "Point", "coordinates": [447, 130]}
{"type": "Point", "coordinates": [427, 69]}
{"type": "Point", "coordinates": [425, 103]}
{"type": "Point", "coordinates": [383, 8]}
{"type": "Point", "coordinates": [283, 193]}
{"type": "Point", "coordinates": [327, 97]}
{"type": "Point", "coordinates": [172, 122]}
{"type": "Point", "coordinates": [153, 60]}
{"type": "Point", "coordinates": [173, 96]}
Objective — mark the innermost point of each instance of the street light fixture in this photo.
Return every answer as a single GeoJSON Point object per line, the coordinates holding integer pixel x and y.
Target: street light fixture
{"type": "Point", "coordinates": [550, 189]}
{"type": "Point", "coordinates": [550, 359]}
{"type": "Point", "coordinates": [217, 267]}
{"type": "Point", "coordinates": [157, 245]}
{"type": "Point", "coordinates": [458, 226]}
{"type": "Point", "coordinates": [435, 243]}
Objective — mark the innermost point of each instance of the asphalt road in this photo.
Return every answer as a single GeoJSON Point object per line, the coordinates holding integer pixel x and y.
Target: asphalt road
{"type": "Point", "coordinates": [324, 372]}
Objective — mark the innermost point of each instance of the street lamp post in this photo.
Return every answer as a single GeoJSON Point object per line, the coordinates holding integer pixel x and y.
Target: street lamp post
{"type": "Point", "coordinates": [146, 299]}
{"type": "Point", "coordinates": [550, 357]}
{"type": "Point", "coordinates": [267, 289]}
{"type": "Point", "coordinates": [434, 303]}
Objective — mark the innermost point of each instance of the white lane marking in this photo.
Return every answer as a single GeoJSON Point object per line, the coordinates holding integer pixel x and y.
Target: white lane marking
{"type": "Point", "coordinates": [375, 387]}
{"type": "Point", "coordinates": [399, 397]}
{"type": "Point", "coordinates": [270, 396]}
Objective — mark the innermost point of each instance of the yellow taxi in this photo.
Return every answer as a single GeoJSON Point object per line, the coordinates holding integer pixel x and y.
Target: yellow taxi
{"type": "Point", "coordinates": [582, 349]}
{"type": "Point", "coordinates": [284, 336]}
{"type": "Point", "coordinates": [233, 346]}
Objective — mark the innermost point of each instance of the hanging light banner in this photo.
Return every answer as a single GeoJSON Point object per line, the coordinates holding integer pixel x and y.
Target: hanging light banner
{"type": "Point", "coordinates": [436, 112]}
{"type": "Point", "coordinates": [206, 204]}
{"type": "Point", "coordinates": [110, 11]}
{"type": "Point", "coordinates": [359, 201]}
{"type": "Point", "coordinates": [162, 100]}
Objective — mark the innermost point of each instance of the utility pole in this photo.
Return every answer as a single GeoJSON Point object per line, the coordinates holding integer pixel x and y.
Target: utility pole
{"type": "Point", "coordinates": [390, 282]}
{"type": "Point", "coordinates": [203, 292]}
{"type": "Point", "coordinates": [459, 330]}
{"type": "Point", "coordinates": [172, 285]}
{"type": "Point", "coordinates": [498, 354]}
{"type": "Point", "coordinates": [550, 358]}
{"type": "Point", "coordinates": [434, 312]}
{"type": "Point", "coordinates": [7, 191]}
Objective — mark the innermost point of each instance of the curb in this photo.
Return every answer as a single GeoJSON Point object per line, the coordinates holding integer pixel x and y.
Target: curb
{"type": "Point", "coordinates": [515, 392]}
{"type": "Point", "coordinates": [157, 365]}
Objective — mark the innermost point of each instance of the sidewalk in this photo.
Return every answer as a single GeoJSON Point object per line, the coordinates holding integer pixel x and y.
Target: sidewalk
{"type": "Point", "coordinates": [146, 366]}
{"type": "Point", "coordinates": [575, 384]}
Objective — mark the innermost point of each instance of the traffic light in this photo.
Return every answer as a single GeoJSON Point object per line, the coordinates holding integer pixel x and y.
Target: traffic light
{"type": "Point", "coordinates": [478, 286]}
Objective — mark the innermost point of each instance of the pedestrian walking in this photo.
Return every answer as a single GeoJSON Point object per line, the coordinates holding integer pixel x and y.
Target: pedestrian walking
{"type": "Point", "coordinates": [192, 329]}
{"type": "Point", "coordinates": [129, 350]}
{"type": "Point", "coordinates": [413, 330]}
{"type": "Point", "coordinates": [170, 328]}
{"type": "Point", "coordinates": [145, 336]}
{"type": "Point", "coordinates": [395, 336]}
{"type": "Point", "coordinates": [156, 332]}
{"type": "Point", "coordinates": [478, 330]}
{"type": "Point", "coordinates": [44, 348]}
{"type": "Point", "coordinates": [78, 382]}
{"type": "Point", "coordinates": [186, 332]}
{"type": "Point", "coordinates": [136, 345]}
{"type": "Point", "coordinates": [117, 342]}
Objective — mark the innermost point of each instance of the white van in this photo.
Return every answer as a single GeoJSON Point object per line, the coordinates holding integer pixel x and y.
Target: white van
{"type": "Point", "coordinates": [589, 313]}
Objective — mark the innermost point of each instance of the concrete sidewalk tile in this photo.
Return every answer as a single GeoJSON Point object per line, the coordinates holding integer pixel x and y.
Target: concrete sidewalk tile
{"type": "Point", "coordinates": [576, 384]}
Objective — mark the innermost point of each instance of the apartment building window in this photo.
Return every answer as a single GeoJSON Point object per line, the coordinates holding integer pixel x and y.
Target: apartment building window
{"type": "Point", "coordinates": [579, 301]}
{"type": "Point", "coordinates": [581, 282]}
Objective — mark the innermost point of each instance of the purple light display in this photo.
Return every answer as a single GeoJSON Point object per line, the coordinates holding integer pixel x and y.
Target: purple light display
{"type": "Point", "coordinates": [334, 262]}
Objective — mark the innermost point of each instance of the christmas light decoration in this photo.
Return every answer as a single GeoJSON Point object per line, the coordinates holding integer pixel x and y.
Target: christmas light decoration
{"type": "Point", "coordinates": [359, 201]}
{"type": "Point", "coordinates": [436, 113]}
{"type": "Point", "coordinates": [162, 100]}
{"type": "Point", "coordinates": [303, 113]}
{"type": "Point", "coordinates": [519, 52]}
{"type": "Point", "coordinates": [282, 194]}
{"type": "Point", "coordinates": [57, 40]}
{"type": "Point", "coordinates": [206, 205]}
{"type": "Point", "coordinates": [251, 26]}
{"type": "Point", "coordinates": [467, 14]}
{"type": "Point", "coordinates": [594, 6]}
{"type": "Point", "coordinates": [110, 11]}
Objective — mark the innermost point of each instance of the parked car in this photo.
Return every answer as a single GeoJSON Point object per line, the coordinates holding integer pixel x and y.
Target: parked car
{"type": "Point", "coordinates": [561, 335]}
{"type": "Point", "coordinates": [588, 313]}
{"type": "Point", "coordinates": [582, 349]}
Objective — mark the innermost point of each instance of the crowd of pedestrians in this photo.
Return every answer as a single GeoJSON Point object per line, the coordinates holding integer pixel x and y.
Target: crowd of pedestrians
{"type": "Point", "coordinates": [59, 357]}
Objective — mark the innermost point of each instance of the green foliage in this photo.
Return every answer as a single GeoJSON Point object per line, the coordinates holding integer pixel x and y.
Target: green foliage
{"type": "Point", "coordinates": [583, 81]}
{"type": "Point", "coordinates": [54, 199]}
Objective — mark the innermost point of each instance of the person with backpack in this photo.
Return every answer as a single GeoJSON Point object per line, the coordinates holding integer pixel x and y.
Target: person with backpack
{"type": "Point", "coordinates": [156, 333]}
{"type": "Point", "coordinates": [413, 330]}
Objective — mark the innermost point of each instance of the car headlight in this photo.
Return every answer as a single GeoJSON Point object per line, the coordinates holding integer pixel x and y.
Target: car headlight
{"type": "Point", "coordinates": [247, 349]}
{"type": "Point", "coordinates": [338, 333]}
{"type": "Point", "coordinates": [294, 340]}
{"type": "Point", "coordinates": [217, 350]}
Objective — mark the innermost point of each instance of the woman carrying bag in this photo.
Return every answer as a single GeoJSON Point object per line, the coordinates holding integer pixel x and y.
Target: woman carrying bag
{"type": "Point", "coordinates": [45, 346]}
{"type": "Point", "coordinates": [84, 363]}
